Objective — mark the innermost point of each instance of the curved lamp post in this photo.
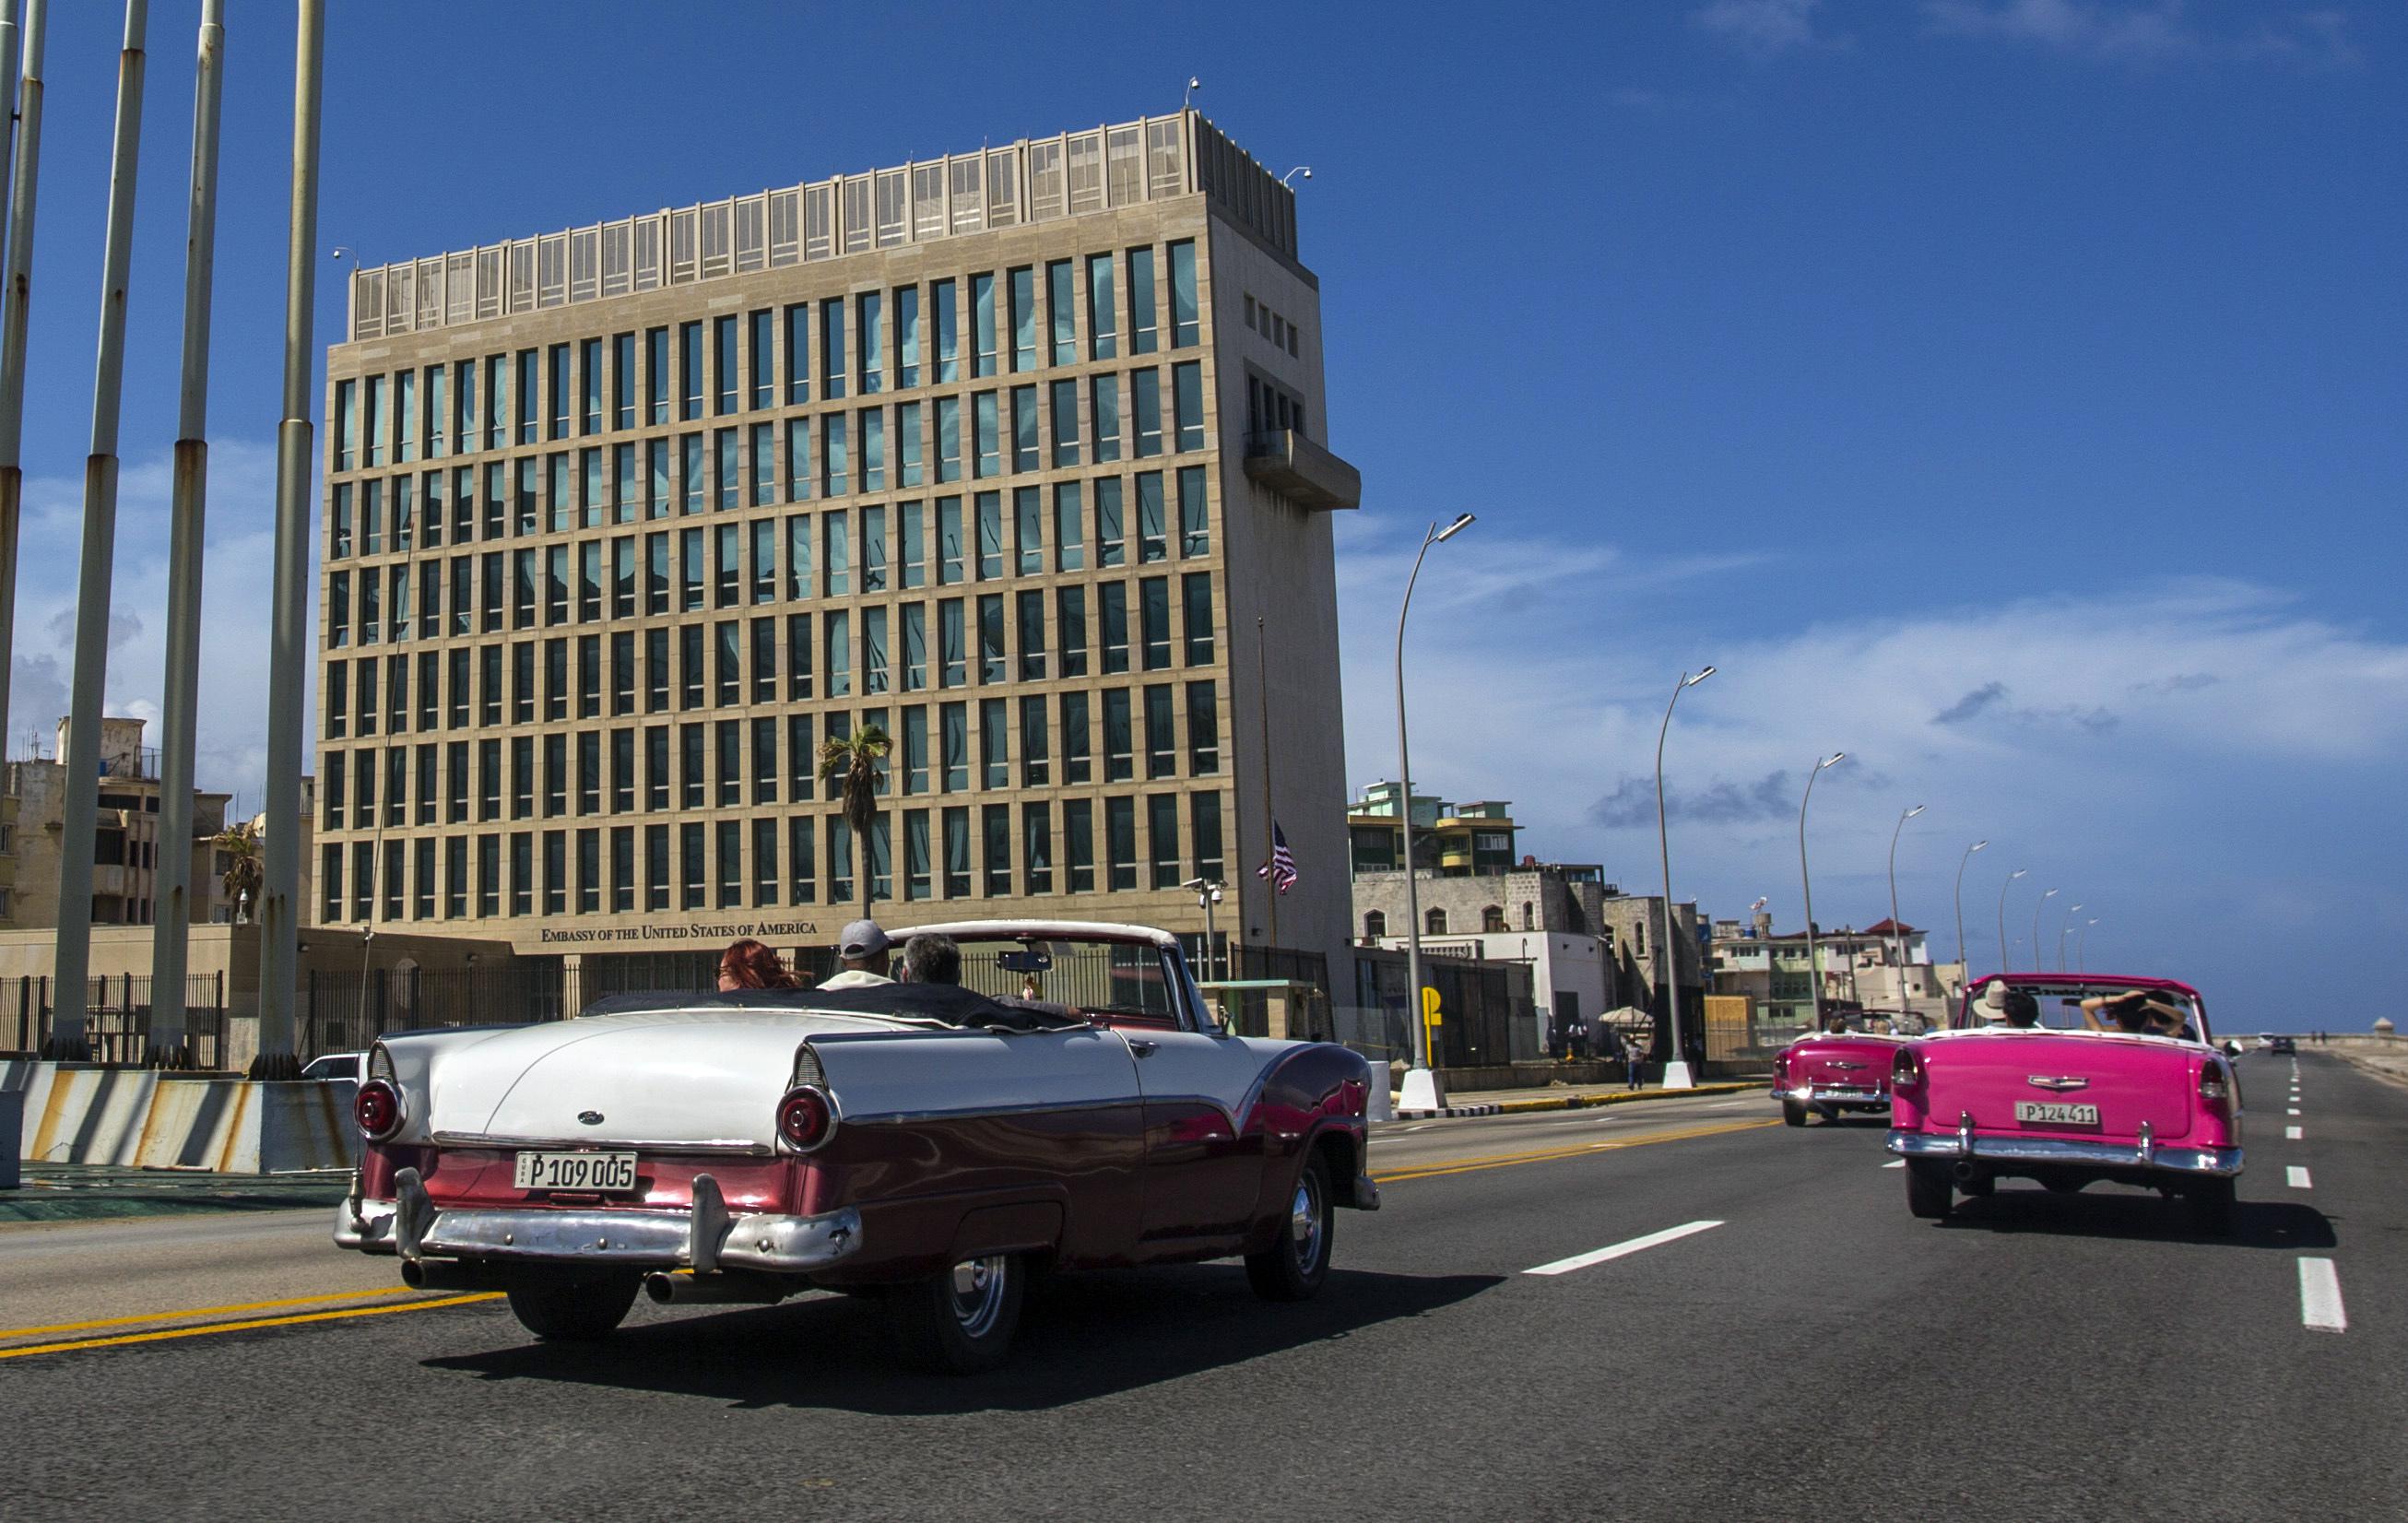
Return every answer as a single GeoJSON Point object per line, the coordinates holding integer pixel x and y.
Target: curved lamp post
{"type": "Point", "coordinates": [2038, 965]}
{"type": "Point", "coordinates": [1964, 964]}
{"type": "Point", "coordinates": [1814, 971]}
{"type": "Point", "coordinates": [1897, 937]}
{"type": "Point", "coordinates": [1422, 1090]}
{"type": "Point", "coordinates": [2003, 917]}
{"type": "Point", "coordinates": [1676, 1067]}
{"type": "Point", "coordinates": [2064, 929]}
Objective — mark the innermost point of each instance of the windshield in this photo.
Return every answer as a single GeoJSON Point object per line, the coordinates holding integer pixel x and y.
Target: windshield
{"type": "Point", "coordinates": [2075, 1005]}
{"type": "Point", "coordinates": [1873, 1023]}
{"type": "Point", "coordinates": [1117, 978]}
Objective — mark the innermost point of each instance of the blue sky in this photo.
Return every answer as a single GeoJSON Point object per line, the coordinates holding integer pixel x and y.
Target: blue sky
{"type": "Point", "coordinates": [2007, 392]}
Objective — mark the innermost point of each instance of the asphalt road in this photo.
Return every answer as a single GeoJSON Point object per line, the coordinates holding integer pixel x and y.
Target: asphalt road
{"type": "Point", "coordinates": [1817, 1353]}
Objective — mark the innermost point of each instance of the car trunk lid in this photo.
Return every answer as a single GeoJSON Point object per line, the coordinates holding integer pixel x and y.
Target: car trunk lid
{"type": "Point", "coordinates": [2131, 1081]}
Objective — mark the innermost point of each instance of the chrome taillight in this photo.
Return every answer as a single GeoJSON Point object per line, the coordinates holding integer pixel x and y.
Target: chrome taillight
{"type": "Point", "coordinates": [2213, 1087]}
{"type": "Point", "coordinates": [378, 1109]}
{"type": "Point", "coordinates": [806, 1118]}
{"type": "Point", "coordinates": [1905, 1069]}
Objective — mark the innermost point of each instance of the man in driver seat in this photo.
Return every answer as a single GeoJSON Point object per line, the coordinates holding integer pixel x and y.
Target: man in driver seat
{"type": "Point", "coordinates": [865, 951]}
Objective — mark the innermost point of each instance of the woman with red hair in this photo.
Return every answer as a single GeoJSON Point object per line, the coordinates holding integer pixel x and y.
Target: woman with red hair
{"type": "Point", "coordinates": [749, 965]}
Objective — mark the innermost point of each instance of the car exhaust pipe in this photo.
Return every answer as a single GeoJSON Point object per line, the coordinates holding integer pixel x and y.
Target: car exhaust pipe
{"type": "Point", "coordinates": [452, 1274]}
{"type": "Point", "coordinates": [728, 1287]}
{"type": "Point", "coordinates": [1965, 1173]}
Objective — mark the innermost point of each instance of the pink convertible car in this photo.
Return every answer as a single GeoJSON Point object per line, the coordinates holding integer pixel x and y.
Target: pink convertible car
{"type": "Point", "coordinates": [1830, 1071]}
{"type": "Point", "coordinates": [2068, 1080]}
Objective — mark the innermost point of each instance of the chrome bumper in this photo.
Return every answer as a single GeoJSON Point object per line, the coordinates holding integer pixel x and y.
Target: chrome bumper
{"type": "Point", "coordinates": [705, 1238]}
{"type": "Point", "coordinates": [1832, 1095]}
{"type": "Point", "coordinates": [2143, 1154]}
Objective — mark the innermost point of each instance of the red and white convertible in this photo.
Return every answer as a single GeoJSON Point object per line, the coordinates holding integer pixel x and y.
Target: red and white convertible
{"type": "Point", "coordinates": [924, 1141]}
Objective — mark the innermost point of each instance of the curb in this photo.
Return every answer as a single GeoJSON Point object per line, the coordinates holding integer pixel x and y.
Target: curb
{"type": "Point", "coordinates": [1583, 1102]}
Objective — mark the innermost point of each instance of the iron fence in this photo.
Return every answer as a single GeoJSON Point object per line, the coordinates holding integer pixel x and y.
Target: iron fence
{"type": "Point", "coordinates": [116, 1020]}
{"type": "Point", "coordinates": [346, 1010]}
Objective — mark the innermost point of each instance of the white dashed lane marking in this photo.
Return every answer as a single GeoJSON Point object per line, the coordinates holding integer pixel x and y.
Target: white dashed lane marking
{"type": "Point", "coordinates": [2296, 1177]}
{"type": "Point", "coordinates": [2320, 1305]}
{"type": "Point", "coordinates": [1580, 1261]}
{"type": "Point", "coordinates": [2292, 1134]}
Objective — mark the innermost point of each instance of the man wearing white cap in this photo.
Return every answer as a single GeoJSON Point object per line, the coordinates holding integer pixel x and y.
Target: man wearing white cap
{"type": "Point", "coordinates": [864, 950]}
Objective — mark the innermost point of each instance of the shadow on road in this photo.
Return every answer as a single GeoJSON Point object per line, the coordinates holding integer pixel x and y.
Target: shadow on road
{"type": "Point", "coordinates": [1080, 1336]}
{"type": "Point", "coordinates": [2104, 1211]}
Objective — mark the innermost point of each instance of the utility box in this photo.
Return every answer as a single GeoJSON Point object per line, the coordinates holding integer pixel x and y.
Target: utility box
{"type": "Point", "coordinates": [12, 1135]}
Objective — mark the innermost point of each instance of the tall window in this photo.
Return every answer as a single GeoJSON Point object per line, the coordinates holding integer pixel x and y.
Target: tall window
{"type": "Point", "coordinates": [1143, 329]}
{"type": "Point", "coordinates": [1062, 310]}
{"type": "Point", "coordinates": [1102, 329]}
{"type": "Point", "coordinates": [1183, 310]}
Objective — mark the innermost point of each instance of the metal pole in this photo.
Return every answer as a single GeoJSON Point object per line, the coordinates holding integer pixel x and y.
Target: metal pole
{"type": "Point", "coordinates": [1897, 935]}
{"type": "Point", "coordinates": [15, 305]}
{"type": "Point", "coordinates": [10, 45]}
{"type": "Point", "coordinates": [1964, 964]}
{"type": "Point", "coordinates": [2003, 917]}
{"type": "Point", "coordinates": [1413, 1014]}
{"type": "Point", "coordinates": [81, 814]}
{"type": "Point", "coordinates": [280, 915]}
{"type": "Point", "coordinates": [1676, 1067]}
{"type": "Point", "coordinates": [2064, 926]}
{"type": "Point", "coordinates": [182, 697]}
{"type": "Point", "coordinates": [1806, 879]}
{"type": "Point", "coordinates": [2037, 964]}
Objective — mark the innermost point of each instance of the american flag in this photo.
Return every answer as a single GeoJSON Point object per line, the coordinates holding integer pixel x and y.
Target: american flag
{"type": "Point", "coordinates": [1281, 869]}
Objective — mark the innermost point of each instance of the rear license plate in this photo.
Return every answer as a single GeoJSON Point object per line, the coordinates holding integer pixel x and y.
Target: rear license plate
{"type": "Point", "coordinates": [2052, 1113]}
{"type": "Point", "coordinates": [607, 1172]}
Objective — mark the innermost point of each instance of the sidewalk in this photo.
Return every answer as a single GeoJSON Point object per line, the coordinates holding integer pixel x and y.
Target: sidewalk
{"type": "Point", "coordinates": [1472, 1102]}
{"type": "Point", "coordinates": [54, 1192]}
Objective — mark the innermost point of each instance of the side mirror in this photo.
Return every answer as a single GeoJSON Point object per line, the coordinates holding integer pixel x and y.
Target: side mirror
{"type": "Point", "coordinates": [2232, 1049]}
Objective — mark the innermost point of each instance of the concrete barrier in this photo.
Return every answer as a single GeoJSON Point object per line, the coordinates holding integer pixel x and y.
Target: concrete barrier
{"type": "Point", "coordinates": [142, 1118]}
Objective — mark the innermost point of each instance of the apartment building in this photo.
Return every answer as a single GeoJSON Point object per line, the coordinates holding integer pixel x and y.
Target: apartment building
{"type": "Point", "coordinates": [1020, 456]}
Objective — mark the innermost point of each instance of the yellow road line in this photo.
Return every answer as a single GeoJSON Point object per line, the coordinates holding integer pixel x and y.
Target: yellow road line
{"type": "Point", "coordinates": [202, 1310]}
{"type": "Point", "coordinates": [125, 1337]}
{"type": "Point", "coordinates": [1507, 1160]}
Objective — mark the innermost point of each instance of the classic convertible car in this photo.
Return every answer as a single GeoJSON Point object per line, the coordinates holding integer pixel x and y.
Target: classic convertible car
{"type": "Point", "coordinates": [2070, 1080]}
{"type": "Point", "coordinates": [1831, 1072]}
{"type": "Point", "coordinates": [926, 1143]}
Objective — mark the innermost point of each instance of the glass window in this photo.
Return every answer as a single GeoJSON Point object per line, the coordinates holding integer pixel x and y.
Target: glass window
{"type": "Point", "coordinates": [1024, 320]}
{"type": "Point", "coordinates": [1077, 757]}
{"type": "Point", "coordinates": [1161, 732]}
{"type": "Point", "coordinates": [944, 301]}
{"type": "Point", "coordinates": [836, 634]}
{"type": "Point", "coordinates": [1102, 330]}
{"type": "Point", "coordinates": [1024, 429]}
{"type": "Point", "coordinates": [1061, 309]}
{"type": "Point", "coordinates": [798, 657]}
{"type": "Point", "coordinates": [1111, 615]}
{"type": "Point", "coordinates": [1196, 597]}
{"type": "Point", "coordinates": [1142, 331]}
{"type": "Point", "coordinates": [1029, 530]}
{"type": "Point", "coordinates": [1120, 742]}
{"type": "Point", "coordinates": [798, 459]}
{"type": "Point", "coordinates": [1203, 729]}
{"type": "Point", "coordinates": [836, 548]}
{"type": "Point", "coordinates": [835, 463]}
{"type": "Point", "coordinates": [405, 417]}
{"type": "Point", "coordinates": [801, 861]}
{"type": "Point", "coordinates": [589, 365]}
{"type": "Point", "coordinates": [1079, 845]}
{"type": "Point", "coordinates": [730, 446]}
{"type": "Point", "coordinates": [908, 444]}
{"type": "Point", "coordinates": [527, 384]}
{"type": "Point", "coordinates": [656, 379]}
{"type": "Point", "coordinates": [915, 647]}
{"type": "Point", "coordinates": [798, 354]}
{"type": "Point", "coordinates": [1031, 614]}
{"type": "Point", "coordinates": [1104, 395]}
{"type": "Point", "coordinates": [1184, 309]}
{"type": "Point", "coordinates": [346, 425]}
{"type": "Point", "coordinates": [689, 370]}
{"type": "Point", "coordinates": [1188, 403]}
{"type": "Point", "coordinates": [1204, 819]}
{"type": "Point", "coordinates": [995, 826]}
{"type": "Point", "coordinates": [1120, 843]}
{"type": "Point", "coordinates": [949, 439]}
{"type": "Point", "coordinates": [1162, 835]}
{"type": "Point", "coordinates": [763, 335]}
{"type": "Point", "coordinates": [1195, 529]}
{"type": "Point", "coordinates": [917, 884]}
{"type": "Point", "coordinates": [989, 508]}
{"type": "Point", "coordinates": [1033, 753]}
{"type": "Point", "coordinates": [1152, 534]}
{"type": "Point", "coordinates": [983, 325]}
{"type": "Point", "coordinates": [873, 450]}
{"type": "Point", "coordinates": [957, 852]}
{"type": "Point", "coordinates": [1069, 530]}
{"type": "Point", "coordinates": [1110, 548]}
{"type": "Point", "coordinates": [622, 381]}
{"type": "Point", "coordinates": [949, 540]}
{"type": "Point", "coordinates": [952, 725]}
{"type": "Point", "coordinates": [832, 371]}
{"type": "Point", "coordinates": [1065, 404]}
{"type": "Point", "coordinates": [912, 549]}
{"type": "Point", "coordinates": [1145, 411]}
{"type": "Point", "coordinates": [988, 440]}
{"type": "Point", "coordinates": [994, 744]}
{"type": "Point", "coordinates": [990, 634]}
{"type": "Point", "coordinates": [1037, 848]}
{"type": "Point", "coordinates": [915, 750]}
{"type": "Point", "coordinates": [374, 421]}
{"type": "Point", "coordinates": [691, 474]}
{"type": "Point", "coordinates": [765, 465]}
{"type": "Point", "coordinates": [873, 649]}
{"type": "Point", "coordinates": [1154, 621]}
{"type": "Point", "coordinates": [1070, 629]}
{"type": "Point", "coordinates": [873, 550]}
{"type": "Point", "coordinates": [869, 341]}
{"type": "Point", "coordinates": [907, 336]}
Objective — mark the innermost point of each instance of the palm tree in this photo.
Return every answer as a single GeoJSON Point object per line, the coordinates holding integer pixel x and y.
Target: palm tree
{"type": "Point", "coordinates": [855, 759]}
{"type": "Point", "coordinates": [242, 877]}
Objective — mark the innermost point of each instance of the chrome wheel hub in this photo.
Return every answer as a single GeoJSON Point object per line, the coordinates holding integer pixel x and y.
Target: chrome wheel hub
{"type": "Point", "coordinates": [1304, 1223]}
{"type": "Point", "coordinates": [977, 1287]}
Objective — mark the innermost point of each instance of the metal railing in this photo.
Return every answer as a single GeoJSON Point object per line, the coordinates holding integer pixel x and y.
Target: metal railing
{"type": "Point", "coordinates": [116, 1020]}
{"type": "Point", "coordinates": [348, 1010]}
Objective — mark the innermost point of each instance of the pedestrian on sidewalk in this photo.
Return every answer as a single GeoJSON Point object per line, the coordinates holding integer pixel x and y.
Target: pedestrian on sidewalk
{"type": "Point", "coordinates": [1634, 1058]}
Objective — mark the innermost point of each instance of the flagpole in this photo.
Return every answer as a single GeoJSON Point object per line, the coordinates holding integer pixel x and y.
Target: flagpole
{"type": "Point", "coordinates": [1271, 822]}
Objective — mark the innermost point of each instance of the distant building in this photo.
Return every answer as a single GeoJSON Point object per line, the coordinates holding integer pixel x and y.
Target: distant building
{"type": "Point", "coordinates": [1879, 968]}
{"type": "Point", "coordinates": [126, 848]}
{"type": "Point", "coordinates": [1453, 841]}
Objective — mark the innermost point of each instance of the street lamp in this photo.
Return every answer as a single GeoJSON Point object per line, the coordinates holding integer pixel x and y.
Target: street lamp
{"type": "Point", "coordinates": [2062, 930]}
{"type": "Point", "coordinates": [1207, 894]}
{"type": "Point", "coordinates": [1897, 937]}
{"type": "Point", "coordinates": [1813, 973]}
{"type": "Point", "coordinates": [2081, 944]}
{"type": "Point", "coordinates": [2037, 964]}
{"type": "Point", "coordinates": [2003, 917]}
{"type": "Point", "coordinates": [1304, 169]}
{"type": "Point", "coordinates": [1422, 1090]}
{"type": "Point", "coordinates": [1676, 1070]}
{"type": "Point", "coordinates": [1964, 964]}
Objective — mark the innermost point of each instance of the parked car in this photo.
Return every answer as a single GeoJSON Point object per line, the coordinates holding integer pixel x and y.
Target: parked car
{"type": "Point", "coordinates": [1830, 1071]}
{"type": "Point", "coordinates": [930, 1142]}
{"type": "Point", "coordinates": [2117, 1081]}
{"type": "Point", "coordinates": [351, 1066]}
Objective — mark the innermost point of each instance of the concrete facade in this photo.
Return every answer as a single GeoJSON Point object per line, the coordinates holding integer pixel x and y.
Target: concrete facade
{"type": "Point", "coordinates": [125, 873]}
{"type": "Point", "coordinates": [632, 601]}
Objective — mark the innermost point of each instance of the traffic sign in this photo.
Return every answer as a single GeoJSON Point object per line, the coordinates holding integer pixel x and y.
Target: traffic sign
{"type": "Point", "coordinates": [1429, 1007]}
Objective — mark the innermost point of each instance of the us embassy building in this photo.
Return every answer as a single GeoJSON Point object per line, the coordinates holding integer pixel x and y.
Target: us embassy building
{"type": "Point", "coordinates": [1019, 455]}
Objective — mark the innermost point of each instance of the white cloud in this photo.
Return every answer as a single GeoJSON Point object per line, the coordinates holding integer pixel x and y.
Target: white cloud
{"type": "Point", "coordinates": [1762, 27]}
{"type": "Point", "coordinates": [231, 742]}
{"type": "Point", "coordinates": [2155, 32]}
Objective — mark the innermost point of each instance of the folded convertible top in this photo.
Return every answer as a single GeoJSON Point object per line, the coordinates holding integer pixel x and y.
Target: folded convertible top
{"type": "Point", "coordinates": [946, 1003]}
